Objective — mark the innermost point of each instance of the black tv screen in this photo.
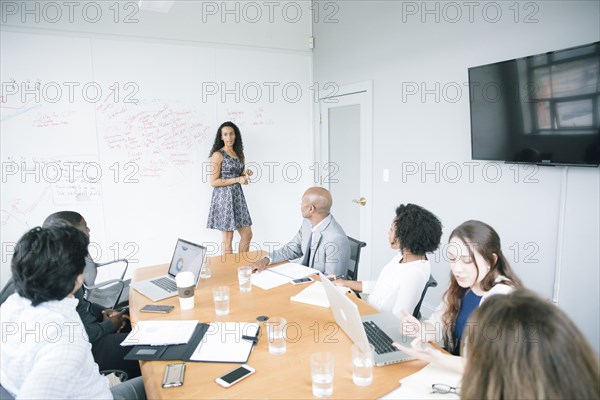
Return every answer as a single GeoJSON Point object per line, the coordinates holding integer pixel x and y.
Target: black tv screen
{"type": "Point", "coordinates": [542, 109]}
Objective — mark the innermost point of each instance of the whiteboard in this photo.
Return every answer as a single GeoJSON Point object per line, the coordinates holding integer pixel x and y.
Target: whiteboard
{"type": "Point", "coordinates": [128, 146]}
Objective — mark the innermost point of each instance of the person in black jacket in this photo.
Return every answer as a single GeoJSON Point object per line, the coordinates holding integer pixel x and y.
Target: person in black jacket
{"type": "Point", "coordinates": [106, 328]}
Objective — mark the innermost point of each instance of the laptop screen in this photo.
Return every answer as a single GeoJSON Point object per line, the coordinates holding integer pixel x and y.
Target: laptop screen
{"type": "Point", "coordinates": [187, 256]}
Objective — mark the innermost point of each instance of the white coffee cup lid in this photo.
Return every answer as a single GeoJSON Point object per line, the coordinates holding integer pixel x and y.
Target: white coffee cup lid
{"type": "Point", "coordinates": [184, 279]}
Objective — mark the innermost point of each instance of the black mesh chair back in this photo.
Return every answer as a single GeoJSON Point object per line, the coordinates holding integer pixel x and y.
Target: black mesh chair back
{"type": "Point", "coordinates": [355, 248]}
{"type": "Point", "coordinates": [430, 283]}
{"type": "Point", "coordinates": [114, 293]}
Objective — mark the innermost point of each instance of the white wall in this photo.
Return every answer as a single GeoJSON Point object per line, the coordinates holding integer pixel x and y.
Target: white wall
{"type": "Point", "coordinates": [281, 25]}
{"type": "Point", "coordinates": [399, 45]}
{"type": "Point", "coordinates": [168, 57]}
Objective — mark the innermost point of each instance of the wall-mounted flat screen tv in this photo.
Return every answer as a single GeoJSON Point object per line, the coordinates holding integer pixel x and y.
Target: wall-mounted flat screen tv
{"type": "Point", "coordinates": [542, 109]}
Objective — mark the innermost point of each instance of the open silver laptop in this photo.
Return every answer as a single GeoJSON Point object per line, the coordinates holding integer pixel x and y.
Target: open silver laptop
{"type": "Point", "coordinates": [187, 256]}
{"type": "Point", "coordinates": [380, 330]}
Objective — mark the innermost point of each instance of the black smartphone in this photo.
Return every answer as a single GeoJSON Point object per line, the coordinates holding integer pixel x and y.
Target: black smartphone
{"type": "Point", "coordinates": [235, 376]}
{"type": "Point", "coordinates": [156, 308]}
{"type": "Point", "coordinates": [302, 280]}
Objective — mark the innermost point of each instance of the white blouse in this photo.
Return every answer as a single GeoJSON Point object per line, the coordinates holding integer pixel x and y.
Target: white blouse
{"type": "Point", "coordinates": [399, 286]}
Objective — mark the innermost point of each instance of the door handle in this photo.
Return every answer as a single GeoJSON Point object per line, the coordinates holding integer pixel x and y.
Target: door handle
{"type": "Point", "coordinates": [362, 201]}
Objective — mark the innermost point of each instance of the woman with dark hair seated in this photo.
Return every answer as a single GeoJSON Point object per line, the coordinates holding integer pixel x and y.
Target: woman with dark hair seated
{"type": "Point", "coordinates": [45, 351]}
{"type": "Point", "coordinates": [478, 270]}
{"type": "Point", "coordinates": [520, 346]}
{"type": "Point", "coordinates": [415, 232]}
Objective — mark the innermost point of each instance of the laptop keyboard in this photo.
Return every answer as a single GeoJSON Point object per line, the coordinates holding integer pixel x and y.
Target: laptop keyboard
{"type": "Point", "coordinates": [165, 283]}
{"type": "Point", "coordinates": [378, 338]}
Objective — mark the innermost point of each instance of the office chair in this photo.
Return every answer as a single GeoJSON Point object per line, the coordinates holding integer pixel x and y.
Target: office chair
{"type": "Point", "coordinates": [430, 283]}
{"type": "Point", "coordinates": [5, 395]}
{"type": "Point", "coordinates": [113, 293]}
{"type": "Point", "coordinates": [355, 247]}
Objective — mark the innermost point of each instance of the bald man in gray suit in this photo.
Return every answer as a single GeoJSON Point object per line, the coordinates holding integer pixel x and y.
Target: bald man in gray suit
{"type": "Point", "coordinates": [320, 243]}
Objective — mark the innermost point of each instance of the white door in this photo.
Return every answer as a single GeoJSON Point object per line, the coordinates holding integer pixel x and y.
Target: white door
{"type": "Point", "coordinates": [346, 160]}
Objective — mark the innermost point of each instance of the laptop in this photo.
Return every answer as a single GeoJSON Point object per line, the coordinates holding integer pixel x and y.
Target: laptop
{"type": "Point", "coordinates": [380, 330]}
{"type": "Point", "coordinates": [187, 256]}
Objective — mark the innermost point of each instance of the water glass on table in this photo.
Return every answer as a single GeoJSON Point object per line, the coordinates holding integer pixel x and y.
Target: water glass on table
{"type": "Point", "coordinates": [221, 299]}
{"type": "Point", "coordinates": [321, 370]}
{"type": "Point", "coordinates": [205, 272]}
{"type": "Point", "coordinates": [276, 335]}
{"type": "Point", "coordinates": [362, 364]}
{"type": "Point", "coordinates": [245, 278]}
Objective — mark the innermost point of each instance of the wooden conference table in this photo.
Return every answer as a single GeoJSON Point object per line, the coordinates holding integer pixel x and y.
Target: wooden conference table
{"type": "Point", "coordinates": [310, 329]}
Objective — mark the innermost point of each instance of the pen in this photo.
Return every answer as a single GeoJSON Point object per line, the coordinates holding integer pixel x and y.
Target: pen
{"type": "Point", "coordinates": [253, 339]}
{"type": "Point", "coordinates": [335, 278]}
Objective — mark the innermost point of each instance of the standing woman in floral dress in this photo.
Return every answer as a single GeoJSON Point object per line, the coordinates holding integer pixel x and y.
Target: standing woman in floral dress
{"type": "Point", "coordinates": [228, 209]}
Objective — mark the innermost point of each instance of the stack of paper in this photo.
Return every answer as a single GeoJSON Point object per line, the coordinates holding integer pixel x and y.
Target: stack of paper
{"type": "Point", "coordinates": [159, 333]}
{"type": "Point", "coordinates": [282, 274]}
{"type": "Point", "coordinates": [418, 385]}
{"type": "Point", "coordinates": [315, 295]}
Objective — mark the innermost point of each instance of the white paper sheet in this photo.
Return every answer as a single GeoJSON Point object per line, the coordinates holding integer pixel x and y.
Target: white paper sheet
{"type": "Point", "coordinates": [294, 270]}
{"type": "Point", "coordinates": [418, 385]}
{"type": "Point", "coordinates": [159, 333]}
{"type": "Point", "coordinates": [268, 280]}
{"type": "Point", "coordinates": [280, 275]}
{"type": "Point", "coordinates": [223, 342]}
{"type": "Point", "coordinates": [315, 295]}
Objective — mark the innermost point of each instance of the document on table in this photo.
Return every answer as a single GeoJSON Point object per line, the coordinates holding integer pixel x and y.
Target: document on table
{"type": "Point", "coordinates": [268, 280]}
{"type": "Point", "coordinates": [160, 333]}
{"type": "Point", "coordinates": [418, 385]}
{"type": "Point", "coordinates": [315, 295]}
{"type": "Point", "coordinates": [294, 270]}
{"type": "Point", "coordinates": [225, 342]}
{"type": "Point", "coordinates": [280, 275]}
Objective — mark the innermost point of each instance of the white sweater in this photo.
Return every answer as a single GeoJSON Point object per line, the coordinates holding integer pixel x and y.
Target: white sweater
{"type": "Point", "coordinates": [399, 286]}
{"type": "Point", "coordinates": [46, 353]}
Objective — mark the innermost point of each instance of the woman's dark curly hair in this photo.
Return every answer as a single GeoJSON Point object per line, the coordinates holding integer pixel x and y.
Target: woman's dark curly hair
{"type": "Point", "coordinates": [47, 262]}
{"type": "Point", "coordinates": [238, 145]}
{"type": "Point", "coordinates": [418, 230]}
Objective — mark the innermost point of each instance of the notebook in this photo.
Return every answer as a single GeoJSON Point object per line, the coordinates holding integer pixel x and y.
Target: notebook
{"type": "Point", "coordinates": [380, 330]}
{"type": "Point", "coordinates": [221, 342]}
{"type": "Point", "coordinates": [187, 256]}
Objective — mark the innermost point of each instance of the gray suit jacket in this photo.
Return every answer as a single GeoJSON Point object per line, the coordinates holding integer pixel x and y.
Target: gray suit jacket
{"type": "Point", "coordinates": [330, 253]}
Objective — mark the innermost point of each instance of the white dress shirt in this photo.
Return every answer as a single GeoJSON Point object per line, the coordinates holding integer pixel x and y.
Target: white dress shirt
{"type": "Point", "coordinates": [46, 353]}
{"type": "Point", "coordinates": [399, 286]}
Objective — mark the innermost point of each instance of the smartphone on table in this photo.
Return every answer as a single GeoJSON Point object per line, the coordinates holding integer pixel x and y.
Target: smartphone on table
{"type": "Point", "coordinates": [235, 376]}
{"type": "Point", "coordinates": [173, 375]}
{"type": "Point", "coordinates": [302, 280]}
{"type": "Point", "coordinates": [157, 308]}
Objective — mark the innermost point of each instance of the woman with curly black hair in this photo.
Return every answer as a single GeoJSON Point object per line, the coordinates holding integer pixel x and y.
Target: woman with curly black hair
{"type": "Point", "coordinates": [415, 232]}
{"type": "Point", "coordinates": [228, 209]}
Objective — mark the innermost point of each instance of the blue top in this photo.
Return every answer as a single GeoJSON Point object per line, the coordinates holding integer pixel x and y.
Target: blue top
{"type": "Point", "coordinates": [469, 303]}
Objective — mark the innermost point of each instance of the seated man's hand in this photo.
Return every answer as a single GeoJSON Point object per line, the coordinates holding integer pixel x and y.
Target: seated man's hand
{"type": "Point", "coordinates": [260, 264]}
{"type": "Point", "coordinates": [119, 320]}
{"type": "Point", "coordinates": [336, 279]}
{"type": "Point", "coordinates": [341, 282]}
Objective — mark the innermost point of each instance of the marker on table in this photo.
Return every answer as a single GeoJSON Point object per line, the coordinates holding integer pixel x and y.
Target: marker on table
{"type": "Point", "coordinates": [335, 278]}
